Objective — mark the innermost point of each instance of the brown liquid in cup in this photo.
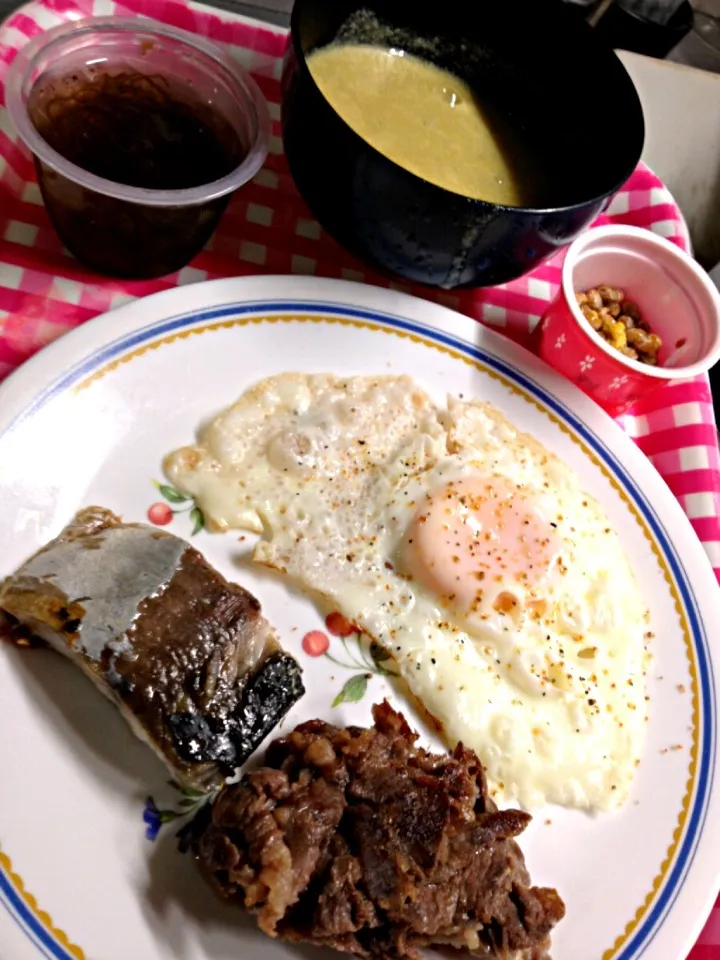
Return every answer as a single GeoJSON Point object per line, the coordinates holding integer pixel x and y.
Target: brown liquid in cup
{"type": "Point", "coordinates": [139, 130]}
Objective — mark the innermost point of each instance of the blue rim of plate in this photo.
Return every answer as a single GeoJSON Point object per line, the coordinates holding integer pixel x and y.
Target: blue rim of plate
{"type": "Point", "coordinates": [646, 931]}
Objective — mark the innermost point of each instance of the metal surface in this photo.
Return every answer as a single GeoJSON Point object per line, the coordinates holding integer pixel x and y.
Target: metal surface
{"type": "Point", "coordinates": [273, 11]}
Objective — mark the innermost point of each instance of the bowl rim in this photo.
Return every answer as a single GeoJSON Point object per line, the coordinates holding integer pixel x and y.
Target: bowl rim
{"type": "Point", "coordinates": [24, 62]}
{"type": "Point", "coordinates": [301, 58]}
{"type": "Point", "coordinates": [568, 293]}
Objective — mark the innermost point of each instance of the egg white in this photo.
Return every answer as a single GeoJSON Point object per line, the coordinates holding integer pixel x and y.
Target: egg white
{"type": "Point", "coordinates": [333, 471]}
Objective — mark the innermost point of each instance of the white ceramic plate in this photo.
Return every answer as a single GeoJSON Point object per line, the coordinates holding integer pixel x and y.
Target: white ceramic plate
{"type": "Point", "coordinates": [88, 421]}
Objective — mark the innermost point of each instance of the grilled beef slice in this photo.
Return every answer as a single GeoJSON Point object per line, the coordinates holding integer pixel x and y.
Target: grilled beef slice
{"type": "Point", "coordinates": [359, 840]}
{"type": "Point", "coordinates": [187, 657]}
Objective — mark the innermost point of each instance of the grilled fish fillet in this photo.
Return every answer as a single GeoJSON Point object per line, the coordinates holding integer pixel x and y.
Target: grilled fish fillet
{"type": "Point", "coordinates": [187, 657]}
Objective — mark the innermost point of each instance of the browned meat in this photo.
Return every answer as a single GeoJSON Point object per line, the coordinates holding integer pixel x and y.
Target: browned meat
{"type": "Point", "coordinates": [359, 840]}
{"type": "Point", "coordinates": [196, 670]}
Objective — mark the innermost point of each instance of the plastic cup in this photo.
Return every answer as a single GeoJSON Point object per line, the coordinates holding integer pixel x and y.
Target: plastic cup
{"type": "Point", "coordinates": [674, 294]}
{"type": "Point", "coordinates": [116, 228]}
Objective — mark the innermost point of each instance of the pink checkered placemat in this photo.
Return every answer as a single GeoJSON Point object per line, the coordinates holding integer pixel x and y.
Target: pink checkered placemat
{"type": "Point", "coordinates": [268, 229]}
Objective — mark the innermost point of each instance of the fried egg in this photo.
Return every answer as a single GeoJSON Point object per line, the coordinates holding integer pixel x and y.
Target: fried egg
{"type": "Point", "coordinates": [465, 548]}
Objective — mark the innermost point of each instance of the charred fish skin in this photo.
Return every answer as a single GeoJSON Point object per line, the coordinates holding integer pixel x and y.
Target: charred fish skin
{"type": "Point", "coordinates": [187, 656]}
{"type": "Point", "coordinates": [229, 743]}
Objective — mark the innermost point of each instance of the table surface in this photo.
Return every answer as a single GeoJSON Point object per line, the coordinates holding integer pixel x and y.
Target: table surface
{"type": "Point", "coordinates": [272, 11]}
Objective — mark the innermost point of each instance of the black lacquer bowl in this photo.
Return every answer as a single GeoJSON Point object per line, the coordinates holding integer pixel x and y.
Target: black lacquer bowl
{"type": "Point", "coordinates": [562, 91]}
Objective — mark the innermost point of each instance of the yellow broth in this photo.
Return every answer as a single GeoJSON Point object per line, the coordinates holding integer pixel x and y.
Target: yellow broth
{"type": "Point", "coordinates": [423, 118]}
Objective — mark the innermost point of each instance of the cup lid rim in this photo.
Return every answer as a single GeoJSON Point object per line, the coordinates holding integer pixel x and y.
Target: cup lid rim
{"type": "Point", "coordinates": [189, 196]}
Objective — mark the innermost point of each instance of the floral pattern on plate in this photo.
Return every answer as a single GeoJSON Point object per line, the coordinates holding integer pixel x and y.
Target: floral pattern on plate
{"type": "Point", "coordinates": [364, 655]}
{"type": "Point", "coordinates": [186, 805]}
{"type": "Point", "coordinates": [160, 513]}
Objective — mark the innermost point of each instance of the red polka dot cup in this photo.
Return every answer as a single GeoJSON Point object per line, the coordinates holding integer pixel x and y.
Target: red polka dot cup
{"type": "Point", "coordinates": [674, 295]}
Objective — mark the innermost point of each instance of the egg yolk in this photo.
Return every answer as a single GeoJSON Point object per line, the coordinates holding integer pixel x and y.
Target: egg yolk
{"type": "Point", "coordinates": [474, 540]}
